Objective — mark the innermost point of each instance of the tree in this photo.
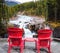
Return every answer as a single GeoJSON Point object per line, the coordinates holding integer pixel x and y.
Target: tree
{"type": "Point", "coordinates": [4, 17]}
{"type": "Point", "coordinates": [2, 14]}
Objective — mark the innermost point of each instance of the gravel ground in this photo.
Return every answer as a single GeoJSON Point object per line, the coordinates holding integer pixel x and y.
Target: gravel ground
{"type": "Point", "coordinates": [29, 47]}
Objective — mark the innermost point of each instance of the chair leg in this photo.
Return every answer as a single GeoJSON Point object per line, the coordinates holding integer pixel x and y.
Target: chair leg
{"type": "Point", "coordinates": [49, 46]}
{"type": "Point", "coordinates": [38, 50]}
{"type": "Point", "coordinates": [49, 50]}
{"type": "Point", "coordinates": [9, 49]}
{"type": "Point", "coordinates": [21, 50]}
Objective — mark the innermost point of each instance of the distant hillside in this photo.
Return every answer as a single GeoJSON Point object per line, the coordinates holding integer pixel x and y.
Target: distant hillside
{"type": "Point", "coordinates": [11, 3]}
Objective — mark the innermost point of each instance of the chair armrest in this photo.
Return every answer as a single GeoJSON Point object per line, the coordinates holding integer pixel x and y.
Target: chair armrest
{"type": "Point", "coordinates": [8, 39]}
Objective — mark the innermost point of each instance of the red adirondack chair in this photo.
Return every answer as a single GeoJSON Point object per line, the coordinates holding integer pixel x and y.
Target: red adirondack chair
{"type": "Point", "coordinates": [15, 38]}
{"type": "Point", "coordinates": [44, 40]}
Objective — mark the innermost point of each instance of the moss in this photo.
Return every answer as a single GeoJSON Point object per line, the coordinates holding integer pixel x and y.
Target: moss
{"type": "Point", "coordinates": [54, 24]}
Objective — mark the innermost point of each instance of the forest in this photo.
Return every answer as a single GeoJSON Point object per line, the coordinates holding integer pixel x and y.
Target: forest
{"type": "Point", "coordinates": [49, 9]}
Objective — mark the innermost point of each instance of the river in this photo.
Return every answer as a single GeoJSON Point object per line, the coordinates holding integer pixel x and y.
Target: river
{"type": "Point", "coordinates": [23, 21]}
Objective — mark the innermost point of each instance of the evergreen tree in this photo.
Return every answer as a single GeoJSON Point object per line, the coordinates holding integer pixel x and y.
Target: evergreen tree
{"type": "Point", "coordinates": [3, 15]}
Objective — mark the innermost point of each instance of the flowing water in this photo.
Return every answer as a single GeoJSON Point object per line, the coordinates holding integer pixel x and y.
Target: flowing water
{"type": "Point", "coordinates": [23, 21]}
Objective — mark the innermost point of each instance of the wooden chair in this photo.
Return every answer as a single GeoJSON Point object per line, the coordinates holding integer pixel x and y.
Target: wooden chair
{"type": "Point", "coordinates": [44, 40]}
{"type": "Point", "coordinates": [15, 38]}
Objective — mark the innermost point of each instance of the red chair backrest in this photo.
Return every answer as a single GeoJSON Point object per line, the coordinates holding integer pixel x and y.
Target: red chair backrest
{"type": "Point", "coordinates": [44, 33]}
{"type": "Point", "coordinates": [15, 32]}
{"type": "Point", "coordinates": [15, 35]}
